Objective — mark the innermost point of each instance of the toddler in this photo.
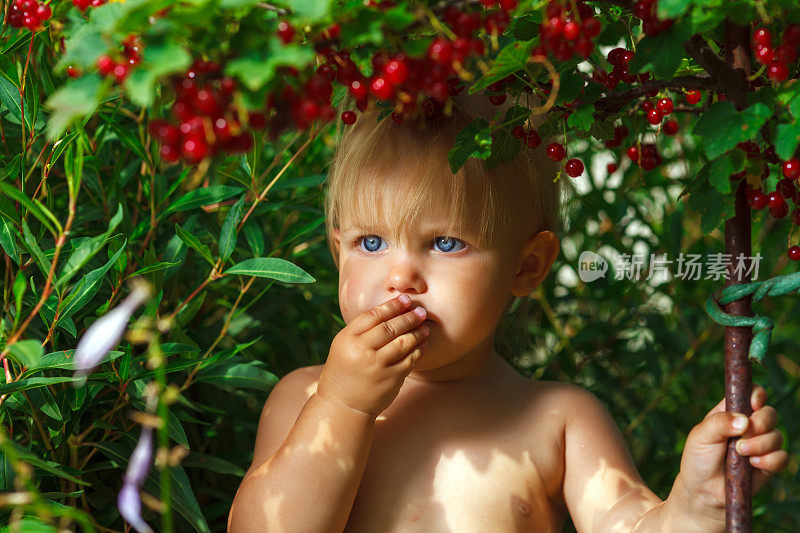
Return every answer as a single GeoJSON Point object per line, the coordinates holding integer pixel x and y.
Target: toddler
{"type": "Point", "coordinates": [414, 422]}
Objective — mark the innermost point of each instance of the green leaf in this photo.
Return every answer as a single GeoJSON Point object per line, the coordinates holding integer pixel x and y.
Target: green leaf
{"type": "Point", "coordinates": [722, 127]}
{"type": "Point", "coordinates": [511, 58]}
{"type": "Point", "coordinates": [254, 237]}
{"type": "Point", "coordinates": [602, 131]}
{"type": "Point", "coordinates": [194, 243]}
{"type": "Point", "coordinates": [35, 251]}
{"type": "Point", "coordinates": [8, 239]}
{"type": "Point", "coordinates": [34, 382]}
{"type": "Point", "coordinates": [200, 197]}
{"type": "Point", "coordinates": [271, 267]}
{"type": "Point", "coordinates": [27, 352]}
{"type": "Point", "coordinates": [78, 98]}
{"type": "Point", "coordinates": [153, 268]}
{"type": "Point", "coordinates": [159, 59]}
{"type": "Point", "coordinates": [87, 287]}
{"type": "Point", "coordinates": [9, 96]}
{"type": "Point", "coordinates": [310, 10]}
{"type": "Point", "coordinates": [713, 206]}
{"type": "Point", "coordinates": [182, 498]}
{"type": "Point", "coordinates": [35, 207]}
{"type": "Point", "coordinates": [670, 9]}
{"type": "Point", "coordinates": [787, 138]}
{"type": "Point", "coordinates": [87, 250]}
{"type": "Point", "coordinates": [472, 141]}
{"type": "Point", "coordinates": [581, 118]}
{"type": "Point", "coordinates": [239, 375]}
{"type": "Point", "coordinates": [255, 68]}
{"type": "Point", "coordinates": [719, 174]}
{"type": "Point", "coordinates": [662, 53]}
{"type": "Point", "coordinates": [227, 236]}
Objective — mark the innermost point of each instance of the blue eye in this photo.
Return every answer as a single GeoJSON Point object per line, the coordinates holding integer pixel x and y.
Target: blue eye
{"type": "Point", "coordinates": [449, 243]}
{"type": "Point", "coordinates": [372, 243]}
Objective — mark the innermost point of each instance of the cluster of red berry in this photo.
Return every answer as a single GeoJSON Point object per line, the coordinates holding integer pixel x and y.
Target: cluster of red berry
{"type": "Point", "coordinates": [647, 157]}
{"type": "Point", "coordinates": [651, 25]}
{"type": "Point", "coordinates": [207, 124]}
{"type": "Point", "coordinates": [119, 69]}
{"type": "Point", "coordinates": [83, 4]}
{"type": "Point", "coordinates": [619, 59]}
{"type": "Point", "coordinates": [777, 60]}
{"type": "Point", "coordinates": [531, 136]}
{"type": "Point", "coordinates": [28, 14]}
{"type": "Point", "coordinates": [557, 152]}
{"type": "Point", "coordinates": [567, 33]}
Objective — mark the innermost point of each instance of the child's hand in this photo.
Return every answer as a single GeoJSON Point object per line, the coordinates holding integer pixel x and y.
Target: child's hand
{"type": "Point", "coordinates": [702, 474]}
{"type": "Point", "coordinates": [371, 357]}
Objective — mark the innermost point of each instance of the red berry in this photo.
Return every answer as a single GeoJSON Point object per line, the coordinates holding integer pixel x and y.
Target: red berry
{"type": "Point", "coordinates": [396, 71]}
{"type": "Point", "coordinates": [533, 139]}
{"type": "Point", "coordinates": [285, 32]}
{"type": "Point", "coordinates": [358, 89]}
{"type": "Point", "coordinates": [649, 162]}
{"type": "Point", "coordinates": [591, 27]}
{"type": "Point", "coordinates": [671, 127]}
{"type": "Point", "coordinates": [777, 71]}
{"type": "Point", "coordinates": [654, 117]}
{"type": "Point", "coordinates": [794, 253]}
{"type": "Point", "coordinates": [571, 30]}
{"type": "Point", "coordinates": [647, 106]}
{"type": "Point", "coordinates": [633, 153]}
{"type": "Point", "coordinates": [693, 97]}
{"type": "Point", "coordinates": [165, 132]}
{"type": "Point", "coordinates": [508, 5]}
{"type": "Point", "coordinates": [615, 57]}
{"type": "Point", "coordinates": [584, 46]}
{"type": "Point", "coordinates": [792, 34]}
{"type": "Point", "coordinates": [611, 168]}
{"type": "Point", "coordinates": [786, 53]}
{"type": "Point", "coordinates": [574, 168]}
{"type": "Point", "coordinates": [765, 55]}
{"type": "Point", "coordinates": [518, 132]}
{"type": "Point", "coordinates": [440, 51]}
{"type": "Point", "coordinates": [120, 72]}
{"type": "Point", "coordinates": [72, 72]}
{"type": "Point", "coordinates": [758, 200]}
{"type": "Point", "coordinates": [791, 169]}
{"type": "Point", "coordinates": [665, 106]}
{"type": "Point", "coordinates": [349, 117]}
{"type": "Point", "coordinates": [222, 130]}
{"type": "Point", "coordinates": [381, 89]}
{"type": "Point", "coordinates": [497, 99]}
{"type": "Point", "coordinates": [780, 211]}
{"type": "Point", "coordinates": [205, 102]}
{"type": "Point", "coordinates": [775, 199]}
{"type": "Point", "coordinates": [762, 37]}
{"type": "Point", "coordinates": [43, 12]}
{"type": "Point", "coordinates": [105, 65]}
{"type": "Point", "coordinates": [194, 148]}
{"type": "Point", "coordinates": [556, 151]}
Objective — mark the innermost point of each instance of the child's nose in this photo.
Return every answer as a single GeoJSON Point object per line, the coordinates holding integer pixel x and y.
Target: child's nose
{"type": "Point", "coordinates": [405, 277]}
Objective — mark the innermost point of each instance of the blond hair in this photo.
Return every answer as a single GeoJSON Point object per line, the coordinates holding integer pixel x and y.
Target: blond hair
{"type": "Point", "coordinates": [520, 197]}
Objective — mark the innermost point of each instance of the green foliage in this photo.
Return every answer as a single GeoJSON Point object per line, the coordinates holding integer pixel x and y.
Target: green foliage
{"type": "Point", "coordinates": [243, 288]}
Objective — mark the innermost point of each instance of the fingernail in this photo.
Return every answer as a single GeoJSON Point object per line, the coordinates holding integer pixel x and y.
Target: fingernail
{"type": "Point", "coordinates": [741, 447]}
{"type": "Point", "coordinates": [404, 298]}
{"type": "Point", "coordinates": [740, 422]}
{"type": "Point", "coordinates": [420, 312]}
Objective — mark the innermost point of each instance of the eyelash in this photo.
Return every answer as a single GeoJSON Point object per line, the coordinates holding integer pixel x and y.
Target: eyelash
{"type": "Point", "coordinates": [358, 240]}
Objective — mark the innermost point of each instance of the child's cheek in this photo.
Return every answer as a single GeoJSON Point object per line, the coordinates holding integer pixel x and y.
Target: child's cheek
{"type": "Point", "coordinates": [353, 298]}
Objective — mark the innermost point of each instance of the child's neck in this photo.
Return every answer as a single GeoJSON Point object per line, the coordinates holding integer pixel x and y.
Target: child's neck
{"type": "Point", "coordinates": [479, 365]}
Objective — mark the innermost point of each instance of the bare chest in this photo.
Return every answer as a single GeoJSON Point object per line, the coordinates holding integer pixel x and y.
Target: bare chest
{"type": "Point", "coordinates": [474, 464]}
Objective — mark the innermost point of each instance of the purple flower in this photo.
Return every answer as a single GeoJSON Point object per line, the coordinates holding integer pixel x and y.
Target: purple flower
{"type": "Point", "coordinates": [130, 507]}
{"type": "Point", "coordinates": [106, 332]}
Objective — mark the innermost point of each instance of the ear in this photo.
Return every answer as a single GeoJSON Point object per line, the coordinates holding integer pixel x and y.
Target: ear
{"type": "Point", "coordinates": [536, 259]}
{"type": "Point", "coordinates": [337, 238]}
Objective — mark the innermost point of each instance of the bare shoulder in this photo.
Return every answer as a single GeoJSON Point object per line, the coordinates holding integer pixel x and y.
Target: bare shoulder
{"type": "Point", "coordinates": [281, 409]}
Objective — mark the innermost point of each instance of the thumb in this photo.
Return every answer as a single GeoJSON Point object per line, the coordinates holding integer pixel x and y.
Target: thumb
{"type": "Point", "coordinates": [718, 427]}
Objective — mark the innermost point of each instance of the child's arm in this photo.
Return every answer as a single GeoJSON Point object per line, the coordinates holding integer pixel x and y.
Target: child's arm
{"type": "Point", "coordinates": [604, 492]}
{"type": "Point", "coordinates": [310, 482]}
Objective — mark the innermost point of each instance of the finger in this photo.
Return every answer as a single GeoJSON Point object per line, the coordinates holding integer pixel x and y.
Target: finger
{"type": "Point", "coordinates": [716, 428]}
{"type": "Point", "coordinates": [372, 317]}
{"type": "Point", "coordinates": [719, 408]}
{"type": "Point", "coordinates": [388, 330]}
{"type": "Point", "coordinates": [761, 444]}
{"type": "Point", "coordinates": [762, 421]}
{"type": "Point", "coordinates": [765, 467]}
{"type": "Point", "coordinates": [403, 345]}
{"type": "Point", "coordinates": [759, 397]}
{"type": "Point", "coordinates": [407, 363]}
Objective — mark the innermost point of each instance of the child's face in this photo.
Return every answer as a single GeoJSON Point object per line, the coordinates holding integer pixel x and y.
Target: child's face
{"type": "Point", "coordinates": [463, 286]}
